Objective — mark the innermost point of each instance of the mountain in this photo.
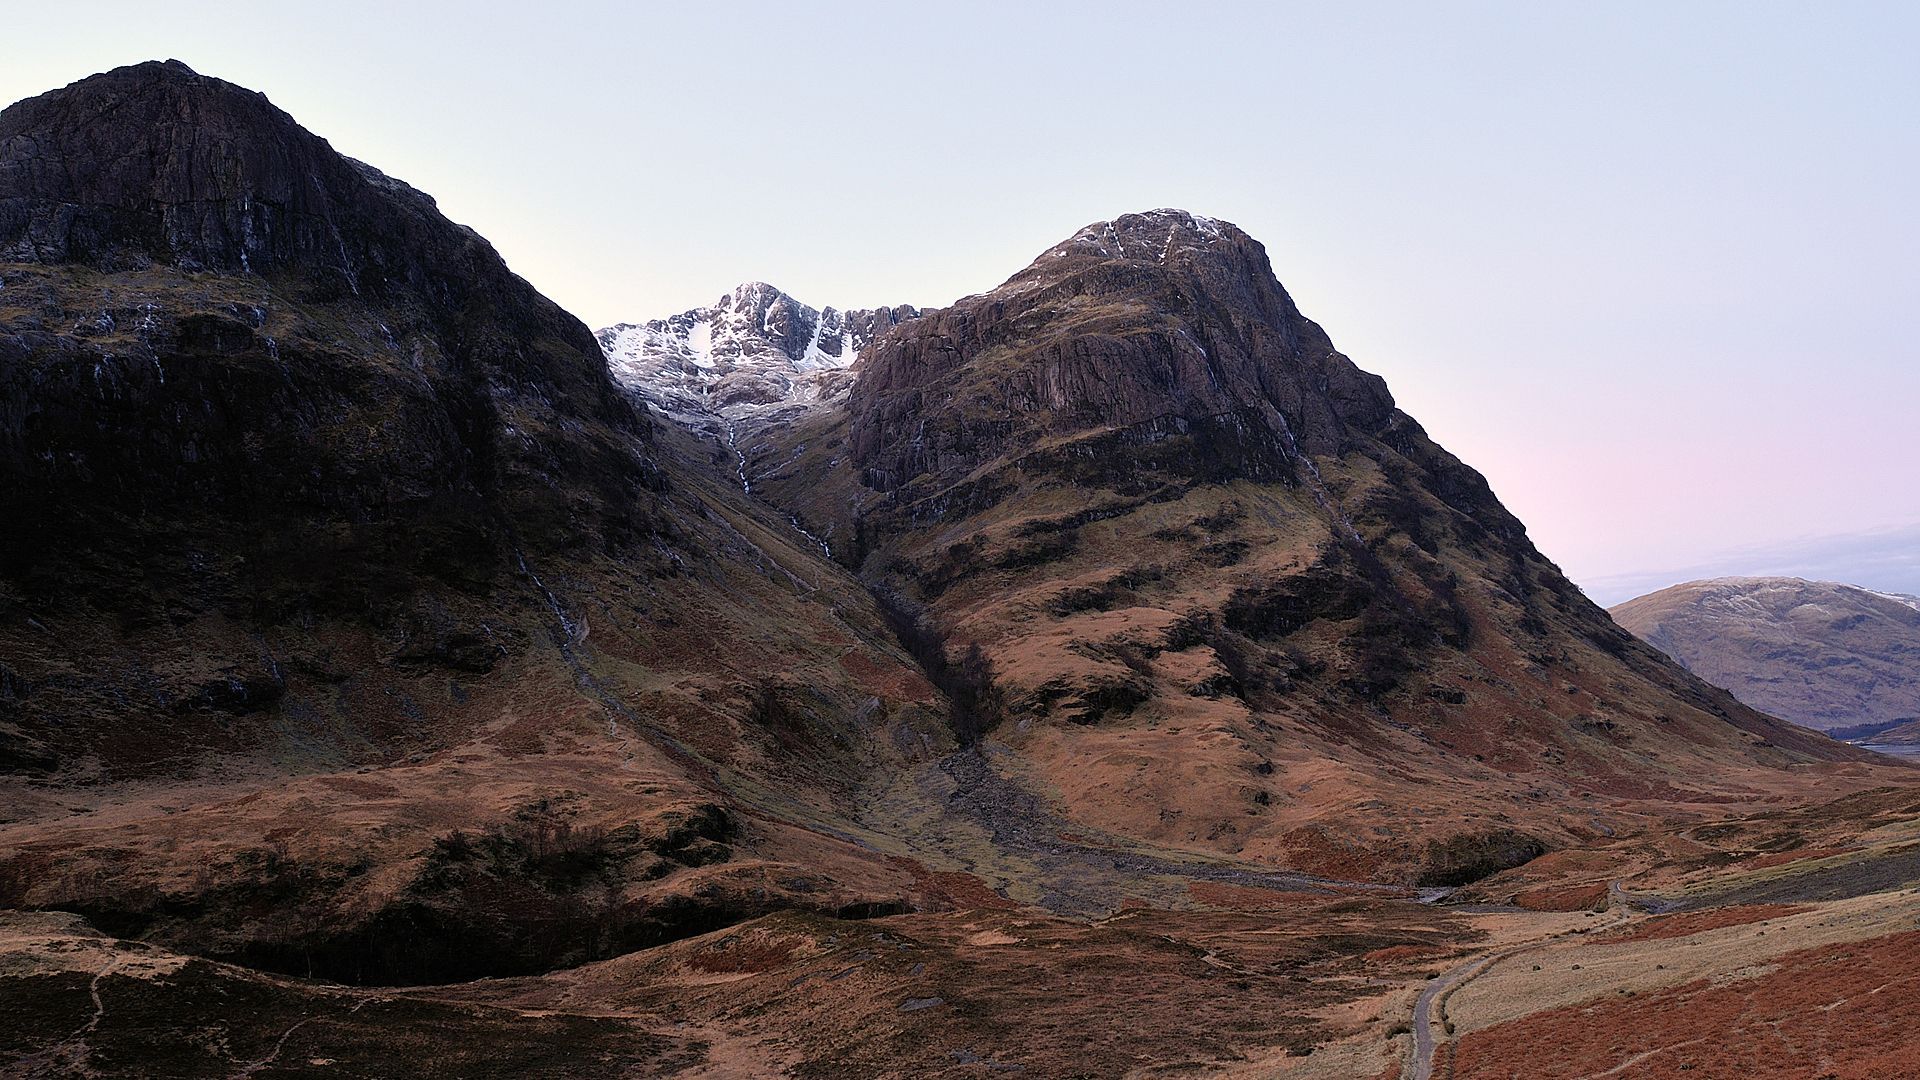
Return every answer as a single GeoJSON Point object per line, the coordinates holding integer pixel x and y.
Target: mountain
{"type": "Point", "coordinates": [755, 357]}
{"type": "Point", "coordinates": [249, 381]}
{"type": "Point", "coordinates": [398, 640]}
{"type": "Point", "coordinates": [1819, 653]}
{"type": "Point", "coordinates": [1213, 590]}
{"type": "Point", "coordinates": [1079, 679]}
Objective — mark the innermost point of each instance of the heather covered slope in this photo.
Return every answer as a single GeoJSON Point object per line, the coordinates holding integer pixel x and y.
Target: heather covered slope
{"type": "Point", "coordinates": [352, 621]}
{"type": "Point", "coordinates": [1818, 653]}
{"type": "Point", "coordinates": [1220, 593]}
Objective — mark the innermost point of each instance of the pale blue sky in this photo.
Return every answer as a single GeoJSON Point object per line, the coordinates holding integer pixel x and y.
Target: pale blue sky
{"type": "Point", "coordinates": [1652, 267]}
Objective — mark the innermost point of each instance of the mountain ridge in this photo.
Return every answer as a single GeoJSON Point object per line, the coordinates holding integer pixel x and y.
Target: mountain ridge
{"type": "Point", "coordinates": [1822, 654]}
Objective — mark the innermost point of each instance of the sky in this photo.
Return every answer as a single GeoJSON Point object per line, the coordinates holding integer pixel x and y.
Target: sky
{"type": "Point", "coordinates": [1651, 268]}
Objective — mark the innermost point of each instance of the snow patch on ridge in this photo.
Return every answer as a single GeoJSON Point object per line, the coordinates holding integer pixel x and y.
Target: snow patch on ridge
{"type": "Point", "coordinates": [1898, 598]}
{"type": "Point", "coordinates": [1156, 234]}
{"type": "Point", "coordinates": [700, 343]}
{"type": "Point", "coordinates": [754, 358]}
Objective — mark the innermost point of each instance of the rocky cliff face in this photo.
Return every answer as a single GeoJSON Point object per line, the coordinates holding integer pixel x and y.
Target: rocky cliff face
{"type": "Point", "coordinates": [1159, 345]}
{"type": "Point", "coordinates": [1160, 326]}
{"type": "Point", "coordinates": [180, 248]}
{"type": "Point", "coordinates": [1819, 653]}
{"type": "Point", "coordinates": [755, 358]}
{"type": "Point", "coordinates": [241, 374]}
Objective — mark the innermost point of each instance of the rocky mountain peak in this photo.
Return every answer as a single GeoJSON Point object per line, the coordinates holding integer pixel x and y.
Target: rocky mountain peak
{"type": "Point", "coordinates": [1133, 251]}
{"type": "Point", "coordinates": [1153, 235]}
{"type": "Point", "coordinates": [261, 329]}
{"type": "Point", "coordinates": [156, 167]}
{"type": "Point", "coordinates": [155, 164]}
{"type": "Point", "coordinates": [1158, 326]}
{"type": "Point", "coordinates": [1134, 494]}
{"type": "Point", "coordinates": [753, 357]}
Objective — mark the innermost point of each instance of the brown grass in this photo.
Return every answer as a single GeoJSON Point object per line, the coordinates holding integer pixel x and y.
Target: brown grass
{"type": "Point", "coordinates": [1699, 922]}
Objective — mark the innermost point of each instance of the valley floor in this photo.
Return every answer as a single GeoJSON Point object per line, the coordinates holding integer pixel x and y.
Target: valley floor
{"type": "Point", "coordinates": [1681, 957]}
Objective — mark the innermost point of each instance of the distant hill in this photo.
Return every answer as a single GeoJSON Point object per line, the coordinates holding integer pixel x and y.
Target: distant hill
{"type": "Point", "coordinates": [1839, 658]}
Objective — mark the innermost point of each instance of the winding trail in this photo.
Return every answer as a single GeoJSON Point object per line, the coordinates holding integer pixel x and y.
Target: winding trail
{"type": "Point", "coordinates": [1430, 1009]}
{"type": "Point", "coordinates": [250, 1068]}
{"type": "Point", "coordinates": [72, 1055]}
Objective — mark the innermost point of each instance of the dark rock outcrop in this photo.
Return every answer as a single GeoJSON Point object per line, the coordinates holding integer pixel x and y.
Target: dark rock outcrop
{"type": "Point", "coordinates": [247, 384]}
{"type": "Point", "coordinates": [290, 343]}
{"type": "Point", "coordinates": [1162, 326]}
{"type": "Point", "coordinates": [1156, 349]}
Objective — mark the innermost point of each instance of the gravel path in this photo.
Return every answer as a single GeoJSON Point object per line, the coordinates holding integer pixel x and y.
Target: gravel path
{"type": "Point", "coordinates": [1430, 1007]}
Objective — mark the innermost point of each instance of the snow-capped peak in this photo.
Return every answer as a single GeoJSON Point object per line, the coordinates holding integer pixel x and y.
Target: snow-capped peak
{"type": "Point", "coordinates": [756, 356]}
